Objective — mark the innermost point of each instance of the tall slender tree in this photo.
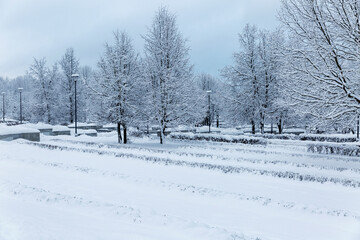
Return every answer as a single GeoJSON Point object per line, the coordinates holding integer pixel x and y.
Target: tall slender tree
{"type": "Point", "coordinates": [44, 90]}
{"type": "Point", "coordinates": [115, 82]}
{"type": "Point", "coordinates": [70, 66]}
{"type": "Point", "coordinates": [244, 77]}
{"type": "Point", "coordinates": [168, 73]}
{"type": "Point", "coordinates": [254, 78]}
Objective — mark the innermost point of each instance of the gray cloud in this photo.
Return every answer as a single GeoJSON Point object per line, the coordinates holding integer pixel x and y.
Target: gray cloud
{"type": "Point", "coordinates": [44, 28]}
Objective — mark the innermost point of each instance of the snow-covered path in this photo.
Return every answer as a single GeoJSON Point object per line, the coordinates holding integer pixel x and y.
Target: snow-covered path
{"type": "Point", "coordinates": [66, 189]}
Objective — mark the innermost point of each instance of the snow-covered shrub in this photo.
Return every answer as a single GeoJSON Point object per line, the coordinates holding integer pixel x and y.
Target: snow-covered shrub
{"type": "Point", "coordinates": [339, 149]}
{"type": "Point", "coordinates": [328, 138]}
{"type": "Point", "coordinates": [218, 138]}
{"type": "Point", "coordinates": [277, 136]}
{"type": "Point", "coordinates": [133, 132]}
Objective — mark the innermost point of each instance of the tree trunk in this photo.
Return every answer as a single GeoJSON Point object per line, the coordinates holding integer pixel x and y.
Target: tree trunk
{"type": "Point", "coordinates": [161, 137]}
{"type": "Point", "coordinates": [280, 126]}
{"type": "Point", "coordinates": [125, 134]}
{"type": "Point", "coordinates": [48, 114]}
{"type": "Point", "coordinates": [253, 126]}
{"type": "Point", "coordinates": [162, 133]}
{"type": "Point", "coordinates": [119, 132]}
{"type": "Point", "coordinates": [262, 123]}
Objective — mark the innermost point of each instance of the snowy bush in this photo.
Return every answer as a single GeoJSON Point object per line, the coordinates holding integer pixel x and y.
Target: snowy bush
{"type": "Point", "coordinates": [217, 138]}
{"type": "Point", "coordinates": [339, 149]}
{"type": "Point", "coordinates": [133, 132]}
{"type": "Point", "coordinates": [277, 136]}
{"type": "Point", "coordinates": [328, 138]}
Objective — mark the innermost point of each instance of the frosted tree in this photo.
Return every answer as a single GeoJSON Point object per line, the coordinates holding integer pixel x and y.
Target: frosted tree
{"type": "Point", "coordinates": [244, 78]}
{"type": "Point", "coordinates": [13, 101]}
{"type": "Point", "coordinates": [168, 73]}
{"type": "Point", "coordinates": [207, 82]}
{"type": "Point", "coordinates": [323, 56]}
{"type": "Point", "coordinates": [271, 44]}
{"type": "Point", "coordinates": [70, 66]}
{"type": "Point", "coordinates": [255, 79]}
{"type": "Point", "coordinates": [115, 82]}
{"type": "Point", "coordinates": [44, 80]}
{"type": "Point", "coordinates": [90, 100]}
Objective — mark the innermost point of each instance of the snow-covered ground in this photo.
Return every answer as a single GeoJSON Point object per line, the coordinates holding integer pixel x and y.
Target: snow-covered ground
{"type": "Point", "coordinates": [93, 188]}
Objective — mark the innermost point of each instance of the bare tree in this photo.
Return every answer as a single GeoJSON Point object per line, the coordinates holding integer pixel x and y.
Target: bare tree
{"type": "Point", "coordinates": [118, 72]}
{"type": "Point", "coordinates": [44, 80]}
{"type": "Point", "coordinates": [244, 78]}
{"type": "Point", "coordinates": [168, 73]}
{"type": "Point", "coordinates": [323, 56]}
{"type": "Point", "coordinates": [70, 66]}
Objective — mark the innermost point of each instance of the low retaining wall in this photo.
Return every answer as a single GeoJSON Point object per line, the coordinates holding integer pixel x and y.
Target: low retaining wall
{"type": "Point", "coordinates": [109, 128]}
{"type": "Point", "coordinates": [87, 127]}
{"type": "Point", "coordinates": [28, 136]}
{"type": "Point", "coordinates": [104, 130]}
{"type": "Point", "coordinates": [45, 131]}
{"type": "Point", "coordinates": [58, 133]}
{"type": "Point", "coordinates": [91, 134]}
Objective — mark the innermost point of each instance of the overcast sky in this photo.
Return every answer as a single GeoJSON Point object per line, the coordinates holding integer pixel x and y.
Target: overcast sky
{"type": "Point", "coordinates": [45, 28]}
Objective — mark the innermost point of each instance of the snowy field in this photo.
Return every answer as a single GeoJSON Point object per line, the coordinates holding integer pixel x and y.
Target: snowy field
{"type": "Point", "coordinates": [92, 188]}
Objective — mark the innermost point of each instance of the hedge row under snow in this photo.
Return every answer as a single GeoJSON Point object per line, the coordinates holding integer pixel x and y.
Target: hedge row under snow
{"type": "Point", "coordinates": [337, 138]}
{"type": "Point", "coordinates": [276, 136]}
{"type": "Point", "coordinates": [328, 138]}
{"type": "Point", "coordinates": [223, 168]}
{"type": "Point", "coordinates": [218, 138]}
{"type": "Point", "coordinates": [346, 150]}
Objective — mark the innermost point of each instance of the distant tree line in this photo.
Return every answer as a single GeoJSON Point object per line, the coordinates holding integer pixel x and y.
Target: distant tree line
{"type": "Point", "coordinates": [305, 73]}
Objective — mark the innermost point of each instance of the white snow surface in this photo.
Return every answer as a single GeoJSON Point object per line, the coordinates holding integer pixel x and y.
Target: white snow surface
{"type": "Point", "coordinates": [38, 125]}
{"type": "Point", "coordinates": [231, 131]}
{"type": "Point", "coordinates": [83, 131]}
{"type": "Point", "coordinates": [110, 125]}
{"type": "Point", "coordinates": [205, 129]}
{"type": "Point", "coordinates": [93, 188]}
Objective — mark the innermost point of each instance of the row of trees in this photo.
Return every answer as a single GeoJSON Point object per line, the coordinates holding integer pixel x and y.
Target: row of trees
{"type": "Point", "coordinates": [48, 92]}
{"type": "Point", "coordinates": [157, 89]}
{"type": "Point", "coordinates": [305, 72]}
{"type": "Point", "coordinates": [255, 79]}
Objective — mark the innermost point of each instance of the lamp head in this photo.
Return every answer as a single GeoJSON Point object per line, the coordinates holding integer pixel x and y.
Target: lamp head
{"type": "Point", "coordinates": [75, 76]}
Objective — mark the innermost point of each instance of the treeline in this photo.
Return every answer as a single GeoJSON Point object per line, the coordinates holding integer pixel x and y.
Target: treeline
{"type": "Point", "coordinates": [305, 73]}
{"type": "Point", "coordinates": [160, 88]}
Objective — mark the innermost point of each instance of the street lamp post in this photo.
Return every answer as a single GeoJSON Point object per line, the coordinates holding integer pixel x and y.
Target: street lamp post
{"type": "Point", "coordinates": [209, 115]}
{"type": "Point", "coordinates": [3, 94]}
{"type": "Point", "coordinates": [75, 77]}
{"type": "Point", "coordinates": [20, 91]}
